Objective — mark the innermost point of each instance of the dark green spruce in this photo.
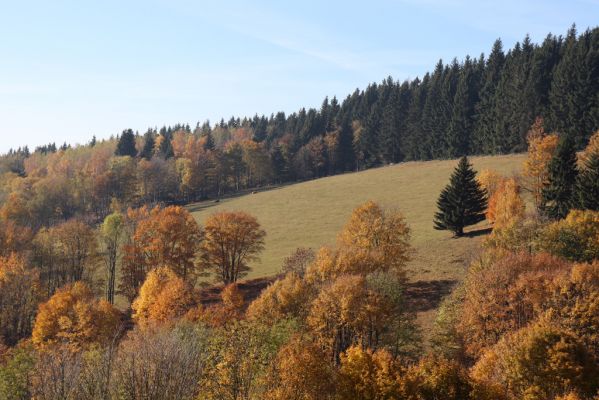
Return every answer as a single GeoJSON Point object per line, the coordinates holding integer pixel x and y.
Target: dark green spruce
{"type": "Point", "coordinates": [126, 144]}
{"type": "Point", "coordinates": [463, 202]}
{"type": "Point", "coordinates": [587, 184]}
{"type": "Point", "coordinates": [559, 194]}
{"type": "Point", "coordinates": [148, 150]}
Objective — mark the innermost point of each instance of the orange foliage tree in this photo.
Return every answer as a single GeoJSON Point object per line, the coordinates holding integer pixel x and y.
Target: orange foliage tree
{"type": "Point", "coordinates": [19, 296]}
{"type": "Point", "coordinates": [228, 310]}
{"type": "Point", "coordinates": [505, 204]}
{"type": "Point", "coordinates": [539, 362]}
{"type": "Point", "coordinates": [346, 312]}
{"type": "Point", "coordinates": [489, 180]}
{"type": "Point", "coordinates": [288, 297]}
{"type": "Point", "coordinates": [74, 316]}
{"type": "Point", "coordinates": [540, 151]}
{"type": "Point", "coordinates": [367, 374]}
{"type": "Point", "coordinates": [66, 253]}
{"type": "Point", "coordinates": [163, 237]}
{"type": "Point", "coordinates": [301, 371]}
{"type": "Point", "coordinates": [233, 240]}
{"type": "Point", "coordinates": [162, 298]}
{"type": "Point", "coordinates": [591, 148]}
{"type": "Point", "coordinates": [502, 293]}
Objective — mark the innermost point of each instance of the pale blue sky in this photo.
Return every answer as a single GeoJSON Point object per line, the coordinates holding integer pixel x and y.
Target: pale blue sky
{"type": "Point", "coordinates": [72, 69]}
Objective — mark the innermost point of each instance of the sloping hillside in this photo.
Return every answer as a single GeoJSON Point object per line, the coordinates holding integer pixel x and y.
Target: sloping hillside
{"type": "Point", "coordinates": [310, 214]}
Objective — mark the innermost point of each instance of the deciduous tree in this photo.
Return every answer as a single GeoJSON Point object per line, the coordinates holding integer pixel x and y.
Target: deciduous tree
{"type": "Point", "coordinates": [20, 293]}
{"type": "Point", "coordinates": [233, 240]}
{"type": "Point", "coordinates": [74, 316]}
{"type": "Point", "coordinates": [163, 298]}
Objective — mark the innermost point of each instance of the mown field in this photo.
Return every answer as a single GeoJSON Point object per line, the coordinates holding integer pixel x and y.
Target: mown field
{"type": "Point", "coordinates": [309, 214]}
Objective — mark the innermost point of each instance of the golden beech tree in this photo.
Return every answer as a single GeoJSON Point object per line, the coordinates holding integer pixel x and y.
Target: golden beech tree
{"type": "Point", "coordinates": [576, 237]}
{"type": "Point", "coordinates": [233, 239]}
{"type": "Point", "coordinates": [74, 316]}
{"type": "Point", "coordinates": [367, 374]}
{"type": "Point", "coordinates": [489, 180]}
{"type": "Point", "coordinates": [162, 237]}
{"type": "Point", "coordinates": [505, 204]}
{"type": "Point", "coordinates": [504, 292]}
{"type": "Point", "coordinates": [438, 378]}
{"type": "Point", "coordinates": [540, 151]}
{"type": "Point", "coordinates": [301, 371]}
{"type": "Point", "coordinates": [20, 294]}
{"type": "Point", "coordinates": [346, 312]}
{"type": "Point", "coordinates": [382, 233]}
{"type": "Point", "coordinates": [574, 304]}
{"type": "Point", "coordinates": [539, 362]}
{"type": "Point", "coordinates": [78, 248]}
{"type": "Point", "coordinates": [288, 297]}
{"type": "Point", "coordinates": [65, 253]}
{"type": "Point", "coordinates": [163, 297]}
{"type": "Point", "coordinates": [13, 238]}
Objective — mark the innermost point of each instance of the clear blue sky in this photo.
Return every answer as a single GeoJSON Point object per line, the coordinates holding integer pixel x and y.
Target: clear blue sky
{"type": "Point", "coordinates": [72, 69]}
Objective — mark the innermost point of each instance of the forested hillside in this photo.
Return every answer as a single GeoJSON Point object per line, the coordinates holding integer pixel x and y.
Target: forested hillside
{"type": "Point", "coordinates": [479, 105]}
{"type": "Point", "coordinates": [104, 274]}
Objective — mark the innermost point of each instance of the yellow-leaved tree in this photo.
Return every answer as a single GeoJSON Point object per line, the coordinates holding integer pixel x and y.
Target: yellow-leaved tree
{"type": "Point", "coordinates": [576, 237]}
{"type": "Point", "coordinates": [381, 234]}
{"type": "Point", "coordinates": [74, 316]}
{"type": "Point", "coordinates": [163, 297]}
{"type": "Point", "coordinates": [541, 148]}
{"type": "Point", "coordinates": [505, 204]}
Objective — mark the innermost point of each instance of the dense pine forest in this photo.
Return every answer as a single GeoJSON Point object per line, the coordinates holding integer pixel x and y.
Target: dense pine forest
{"type": "Point", "coordinates": [111, 289]}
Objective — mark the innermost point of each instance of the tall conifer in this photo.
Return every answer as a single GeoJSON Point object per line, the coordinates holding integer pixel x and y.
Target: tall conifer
{"type": "Point", "coordinates": [559, 194]}
{"type": "Point", "coordinates": [463, 202]}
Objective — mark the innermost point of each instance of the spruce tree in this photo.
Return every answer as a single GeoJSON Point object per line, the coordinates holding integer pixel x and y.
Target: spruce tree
{"type": "Point", "coordinates": [126, 144]}
{"type": "Point", "coordinates": [559, 194]}
{"type": "Point", "coordinates": [463, 202]}
{"type": "Point", "coordinates": [483, 132]}
{"type": "Point", "coordinates": [587, 184]}
{"type": "Point", "coordinates": [389, 132]}
{"type": "Point", "coordinates": [460, 126]}
{"type": "Point", "coordinates": [166, 148]}
{"type": "Point", "coordinates": [148, 150]}
{"type": "Point", "coordinates": [209, 143]}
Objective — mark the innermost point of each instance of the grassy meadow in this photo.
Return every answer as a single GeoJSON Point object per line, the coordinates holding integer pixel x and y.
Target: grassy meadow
{"type": "Point", "coordinates": [309, 214]}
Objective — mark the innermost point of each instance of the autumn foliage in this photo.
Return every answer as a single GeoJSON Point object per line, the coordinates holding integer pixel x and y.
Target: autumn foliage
{"type": "Point", "coordinates": [233, 240]}
{"type": "Point", "coordinates": [73, 315]}
{"type": "Point", "coordinates": [163, 297]}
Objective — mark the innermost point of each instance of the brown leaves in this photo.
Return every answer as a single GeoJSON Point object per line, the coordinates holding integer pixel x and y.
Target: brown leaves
{"type": "Point", "coordinates": [233, 240]}
{"type": "Point", "coordinates": [163, 237]}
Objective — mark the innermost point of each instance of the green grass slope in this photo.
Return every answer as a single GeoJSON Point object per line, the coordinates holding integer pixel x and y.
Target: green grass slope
{"type": "Point", "coordinates": [309, 214]}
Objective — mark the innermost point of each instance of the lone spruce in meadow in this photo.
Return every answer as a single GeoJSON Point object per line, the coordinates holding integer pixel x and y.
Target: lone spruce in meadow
{"type": "Point", "coordinates": [463, 202]}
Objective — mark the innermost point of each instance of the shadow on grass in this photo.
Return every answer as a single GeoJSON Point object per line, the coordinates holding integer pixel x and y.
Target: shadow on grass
{"type": "Point", "coordinates": [478, 232]}
{"type": "Point", "coordinates": [427, 295]}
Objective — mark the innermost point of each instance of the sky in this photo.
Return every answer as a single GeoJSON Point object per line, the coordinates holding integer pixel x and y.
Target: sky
{"type": "Point", "coordinates": [73, 69]}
